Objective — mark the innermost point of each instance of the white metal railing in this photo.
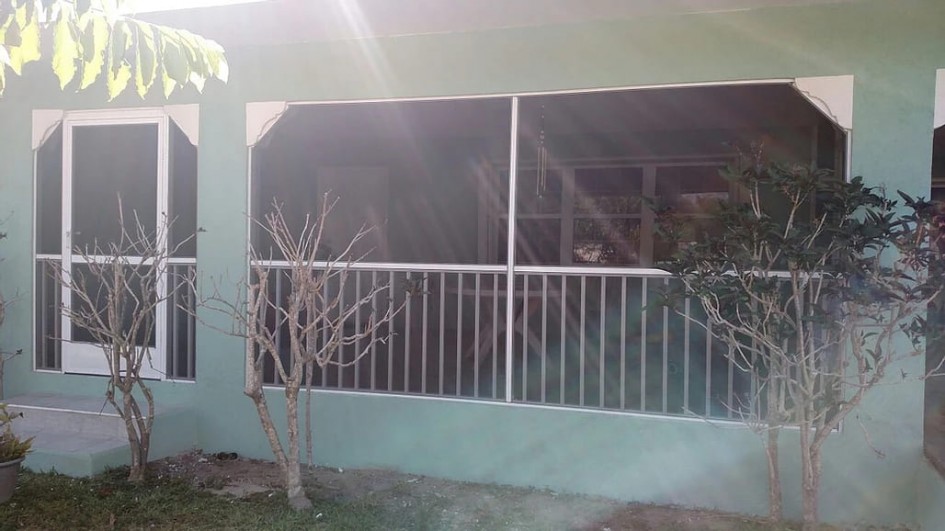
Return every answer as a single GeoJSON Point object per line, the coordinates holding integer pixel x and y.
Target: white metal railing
{"type": "Point", "coordinates": [47, 323]}
{"type": "Point", "coordinates": [180, 327]}
{"type": "Point", "coordinates": [583, 337]}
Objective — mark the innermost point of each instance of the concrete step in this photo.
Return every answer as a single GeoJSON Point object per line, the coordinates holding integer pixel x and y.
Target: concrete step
{"type": "Point", "coordinates": [81, 436]}
{"type": "Point", "coordinates": [81, 415]}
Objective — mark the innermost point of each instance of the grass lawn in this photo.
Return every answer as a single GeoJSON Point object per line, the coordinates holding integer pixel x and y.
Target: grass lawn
{"type": "Point", "coordinates": [357, 500]}
{"type": "Point", "coordinates": [107, 501]}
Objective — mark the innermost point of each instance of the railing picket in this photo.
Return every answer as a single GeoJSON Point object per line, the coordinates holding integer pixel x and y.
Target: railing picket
{"type": "Point", "coordinates": [278, 324]}
{"type": "Point", "coordinates": [191, 326]}
{"type": "Point", "coordinates": [324, 370]}
{"type": "Point", "coordinates": [564, 329]}
{"type": "Point", "coordinates": [442, 328]}
{"type": "Point", "coordinates": [581, 340]}
{"type": "Point", "coordinates": [544, 334]}
{"type": "Point", "coordinates": [665, 353]}
{"type": "Point", "coordinates": [175, 325]}
{"type": "Point", "coordinates": [708, 367]}
{"type": "Point", "coordinates": [341, 348]}
{"type": "Point", "coordinates": [643, 297]}
{"type": "Point", "coordinates": [524, 318]}
{"type": "Point", "coordinates": [478, 339]}
{"type": "Point", "coordinates": [407, 326]}
{"type": "Point", "coordinates": [42, 341]}
{"type": "Point", "coordinates": [602, 341]}
{"type": "Point", "coordinates": [686, 376]}
{"type": "Point", "coordinates": [495, 335]}
{"type": "Point", "coordinates": [390, 343]}
{"type": "Point", "coordinates": [423, 334]}
{"type": "Point", "coordinates": [374, 310]}
{"type": "Point", "coordinates": [357, 327]}
{"type": "Point", "coordinates": [57, 327]}
{"type": "Point", "coordinates": [459, 334]}
{"type": "Point", "coordinates": [731, 383]}
{"type": "Point", "coordinates": [623, 342]}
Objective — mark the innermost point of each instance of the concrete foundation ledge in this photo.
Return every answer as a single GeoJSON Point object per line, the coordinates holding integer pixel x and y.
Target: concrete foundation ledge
{"type": "Point", "coordinates": [82, 436]}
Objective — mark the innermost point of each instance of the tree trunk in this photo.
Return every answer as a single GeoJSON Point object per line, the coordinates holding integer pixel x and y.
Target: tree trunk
{"type": "Point", "coordinates": [775, 499]}
{"type": "Point", "coordinates": [297, 498]}
{"type": "Point", "coordinates": [262, 410]}
{"type": "Point", "coordinates": [139, 462]}
{"type": "Point", "coordinates": [810, 480]}
{"type": "Point", "coordinates": [775, 504]}
{"type": "Point", "coordinates": [126, 412]}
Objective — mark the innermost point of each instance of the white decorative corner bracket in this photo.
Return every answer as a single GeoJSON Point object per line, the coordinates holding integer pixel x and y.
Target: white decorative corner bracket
{"type": "Point", "coordinates": [260, 117]}
{"type": "Point", "coordinates": [187, 117]}
{"type": "Point", "coordinates": [833, 95]}
{"type": "Point", "coordinates": [45, 122]}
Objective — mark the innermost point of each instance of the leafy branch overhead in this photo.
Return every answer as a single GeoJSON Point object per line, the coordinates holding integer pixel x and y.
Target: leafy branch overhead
{"type": "Point", "coordinates": [91, 40]}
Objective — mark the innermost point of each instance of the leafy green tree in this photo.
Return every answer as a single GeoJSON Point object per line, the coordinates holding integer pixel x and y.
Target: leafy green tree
{"type": "Point", "coordinates": [90, 40]}
{"type": "Point", "coordinates": [818, 287]}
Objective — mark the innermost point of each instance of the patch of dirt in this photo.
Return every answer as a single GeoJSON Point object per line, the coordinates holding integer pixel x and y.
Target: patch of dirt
{"type": "Point", "coordinates": [452, 504]}
{"type": "Point", "coordinates": [459, 505]}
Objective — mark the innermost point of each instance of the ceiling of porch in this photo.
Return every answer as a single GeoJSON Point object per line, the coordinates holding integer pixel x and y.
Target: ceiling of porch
{"type": "Point", "coordinates": [287, 21]}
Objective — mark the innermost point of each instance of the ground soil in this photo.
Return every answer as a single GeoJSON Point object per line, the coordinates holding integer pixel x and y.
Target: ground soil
{"type": "Point", "coordinates": [461, 505]}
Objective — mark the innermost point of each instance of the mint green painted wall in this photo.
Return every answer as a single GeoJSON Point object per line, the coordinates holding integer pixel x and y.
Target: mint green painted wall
{"type": "Point", "coordinates": [931, 488]}
{"type": "Point", "coordinates": [893, 49]}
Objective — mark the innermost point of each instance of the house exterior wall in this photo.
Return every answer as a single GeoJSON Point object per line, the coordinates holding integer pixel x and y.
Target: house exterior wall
{"type": "Point", "coordinates": [892, 49]}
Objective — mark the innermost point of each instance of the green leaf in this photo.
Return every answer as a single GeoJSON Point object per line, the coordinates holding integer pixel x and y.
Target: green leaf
{"type": "Point", "coordinates": [117, 81]}
{"type": "Point", "coordinates": [218, 64]}
{"type": "Point", "coordinates": [11, 33]}
{"type": "Point", "coordinates": [120, 43]}
{"type": "Point", "coordinates": [175, 62]}
{"type": "Point", "coordinates": [27, 50]}
{"type": "Point", "coordinates": [95, 42]}
{"type": "Point", "coordinates": [118, 73]}
{"type": "Point", "coordinates": [65, 49]}
{"type": "Point", "coordinates": [23, 15]}
{"type": "Point", "coordinates": [145, 59]}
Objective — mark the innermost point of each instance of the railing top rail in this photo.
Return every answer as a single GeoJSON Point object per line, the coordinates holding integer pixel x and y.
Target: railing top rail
{"type": "Point", "coordinates": [593, 271]}
{"type": "Point", "coordinates": [391, 266]}
{"type": "Point", "coordinates": [475, 268]}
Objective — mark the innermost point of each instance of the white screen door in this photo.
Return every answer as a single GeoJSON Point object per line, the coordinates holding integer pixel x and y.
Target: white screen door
{"type": "Point", "coordinates": [107, 156]}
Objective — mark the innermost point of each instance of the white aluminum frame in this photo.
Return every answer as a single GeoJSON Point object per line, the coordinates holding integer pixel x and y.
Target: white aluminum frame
{"type": "Point", "coordinates": [87, 358]}
{"type": "Point", "coordinates": [510, 268]}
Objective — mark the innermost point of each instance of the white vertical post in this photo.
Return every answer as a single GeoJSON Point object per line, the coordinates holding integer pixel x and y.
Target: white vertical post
{"type": "Point", "coordinates": [510, 253]}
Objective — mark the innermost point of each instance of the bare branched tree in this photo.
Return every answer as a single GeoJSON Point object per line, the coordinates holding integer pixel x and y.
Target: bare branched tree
{"type": "Point", "coordinates": [117, 291]}
{"type": "Point", "coordinates": [5, 356]}
{"type": "Point", "coordinates": [818, 303]}
{"type": "Point", "coordinates": [313, 318]}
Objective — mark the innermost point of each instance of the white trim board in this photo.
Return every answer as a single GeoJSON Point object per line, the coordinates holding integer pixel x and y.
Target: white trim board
{"type": "Point", "coordinates": [939, 117]}
{"type": "Point", "coordinates": [187, 118]}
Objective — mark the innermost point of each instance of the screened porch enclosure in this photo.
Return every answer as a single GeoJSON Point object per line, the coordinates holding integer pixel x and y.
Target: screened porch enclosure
{"type": "Point", "coordinates": [580, 324]}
